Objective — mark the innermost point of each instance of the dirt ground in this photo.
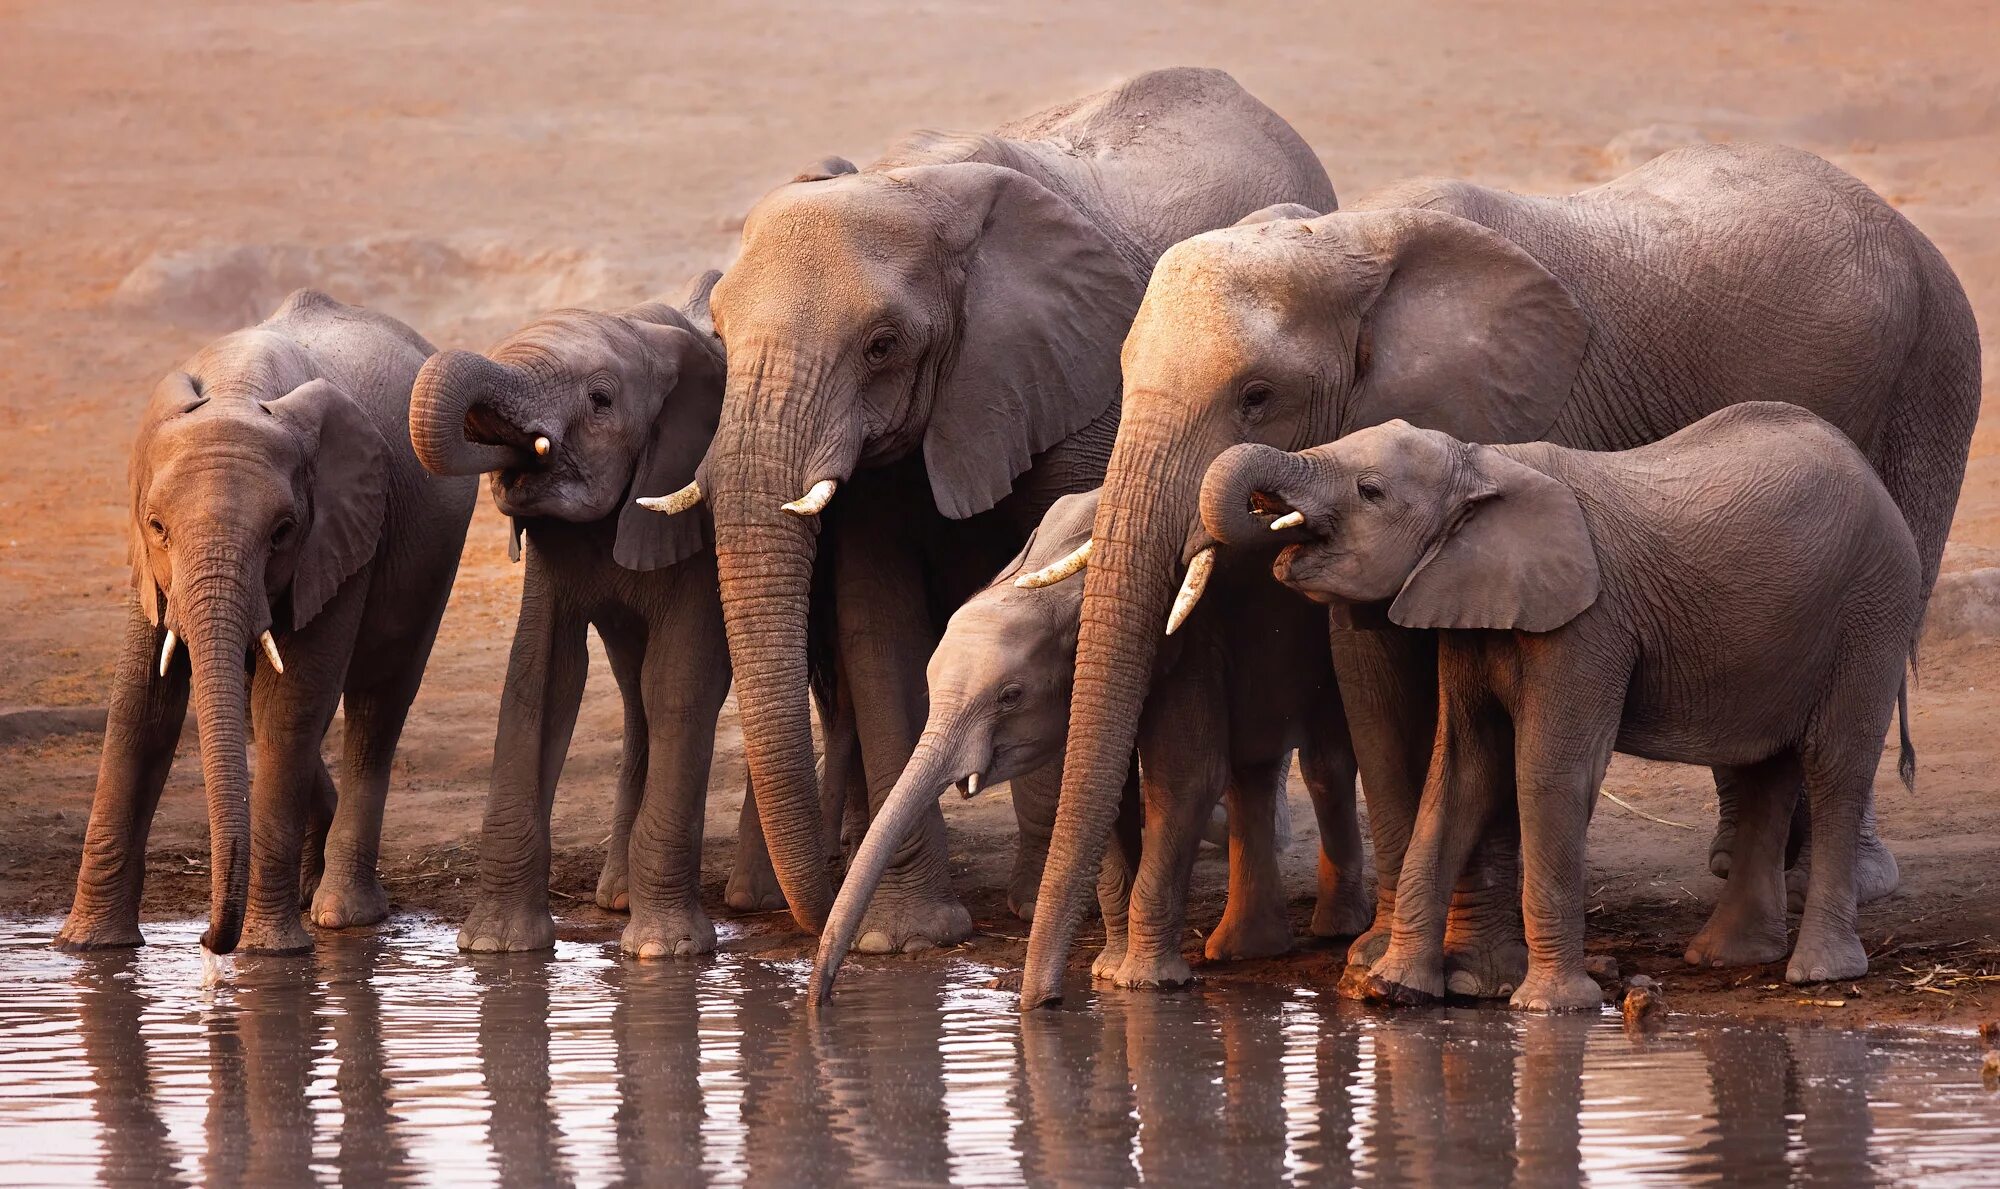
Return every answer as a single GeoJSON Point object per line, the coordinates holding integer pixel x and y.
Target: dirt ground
{"type": "Point", "coordinates": [170, 171]}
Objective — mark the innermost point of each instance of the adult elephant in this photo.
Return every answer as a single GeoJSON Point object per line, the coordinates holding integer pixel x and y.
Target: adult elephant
{"type": "Point", "coordinates": [1603, 320]}
{"type": "Point", "coordinates": [936, 338]}
{"type": "Point", "coordinates": [283, 529]}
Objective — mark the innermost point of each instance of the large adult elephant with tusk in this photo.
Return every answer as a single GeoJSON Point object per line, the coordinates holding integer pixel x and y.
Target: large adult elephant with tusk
{"type": "Point", "coordinates": [1605, 319]}
{"type": "Point", "coordinates": [282, 529]}
{"type": "Point", "coordinates": [923, 355]}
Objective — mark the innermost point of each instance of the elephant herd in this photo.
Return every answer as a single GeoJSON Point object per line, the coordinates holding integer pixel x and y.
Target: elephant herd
{"type": "Point", "coordinates": [1105, 455]}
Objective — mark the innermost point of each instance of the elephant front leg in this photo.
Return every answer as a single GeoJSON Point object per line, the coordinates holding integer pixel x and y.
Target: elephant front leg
{"type": "Point", "coordinates": [1560, 757]}
{"type": "Point", "coordinates": [1114, 880]}
{"type": "Point", "coordinates": [1255, 923]}
{"type": "Point", "coordinates": [292, 712]}
{"type": "Point", "coordinates": [1183, 772]}
{"type": "Point", "coordinates": [1035, 796]}
{"type": "Point", "coordinates": [545, 676]}
{"type": "Point", "coordinates": [144, 725]}
{"type": "Point", "coordinates": [1345, 904]}
{"type": "Point", "coordinates": [686, 680]}
{"type": "Point", "coordinates": [614, 880]}
{"type": "Point", "coordinates": [1748, 924]}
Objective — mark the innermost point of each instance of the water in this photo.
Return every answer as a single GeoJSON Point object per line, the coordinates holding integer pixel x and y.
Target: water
{"type": "Point", "coordinates": [394, 1058]}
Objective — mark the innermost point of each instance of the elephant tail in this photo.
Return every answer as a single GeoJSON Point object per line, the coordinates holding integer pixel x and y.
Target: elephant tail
{"type": "Point", "coordinates": [1906, 759]}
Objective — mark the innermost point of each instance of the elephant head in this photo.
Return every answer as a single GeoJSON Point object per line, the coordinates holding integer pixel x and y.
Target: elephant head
{"type": "Point", "coordinates": [1448, 535]}
{"type": "Point", "coordinates": [578, 408]}
{"type": "Point", "coordinates": [961, 310]}
{"type": "Point", "coordinates": [999, 686]}
{"type": "Point", "coordinates": [1287, 332]}
{"type": "Point", "coordinates": [252, 501]}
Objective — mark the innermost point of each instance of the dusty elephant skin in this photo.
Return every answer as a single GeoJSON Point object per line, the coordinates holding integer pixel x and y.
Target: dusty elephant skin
{"type": "Point", "coordinates": [1743, 594]}
{"type": "Point", "coordinates": [287, 552]}
{"type": "Point", "coordinates": [1602, 320]}
{"type": "Point", "coordinates": [1248, 683]}
{"type": "Point", "coordinates": [923, 355]}
{"type": "Point", "coordinates": [570, 414]}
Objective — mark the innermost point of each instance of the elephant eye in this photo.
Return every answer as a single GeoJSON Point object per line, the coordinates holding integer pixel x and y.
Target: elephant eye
{"type": "Point", "coordinates": [283, 532]}
{"type": "Point", "coordinates": [880, 346]}
{"type": "Point", "coordinates": [600, 397]}
{"type": "Point", "coordinates": [159, 529]}
{"type": "Point", "coordinates": [1010, 698]}
{"type": "Point", "coordinates": [1370, 490]}
{"type": "Point", "coordinates": [1255, 396]}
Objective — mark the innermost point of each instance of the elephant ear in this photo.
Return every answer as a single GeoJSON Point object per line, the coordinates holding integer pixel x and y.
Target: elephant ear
{"type": "Point", "coordinates": [171, 397]}
{"type": "Point", "coordinates": [1466, 332]}
{"type": "Point", "coordinates": [1517, 555]}
{"type": "Point", "coordinates": [687, 366]}
{"type": "Point", "coordinates": [1276, 211]}
{"type": "Point", "coordinates": [693, 303]}
{"type": "Point", "coordinates": [349, 490]}
{"type": "Point", "coordinates": [1046, 305]}
{"type": "Point", "coordinates": [824, 169]}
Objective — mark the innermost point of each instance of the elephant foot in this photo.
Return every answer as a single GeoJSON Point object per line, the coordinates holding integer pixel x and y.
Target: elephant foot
{"type": "Point", "coordinates": [1549, 990]}
{"type": "Point", "coordinates": [907, 924]}
{"type": "Point", "coordinates": [344, 904]}
{"type": "Point", "coordinates": [613, 885]}
{"type": "Point", "coordinates": [1263, 934]}
{"type": "Point", "coordinates": [1823, 956]}
{"type": "Point", "coordinates": [1153, 972]}
{"type": "Point", "coordinates": [99, 931]}
{"type": "Point", "coordinates": [1023, 887]}
{"type": "Point", "coordinates": [1485, 970]}
{"type": "Point", "coordinates": [282, 934]}
{"type": "Point", "coordinates": [1720, 846]}
{"type": "Point", "coordinates": [1344, 907]}
{"type": "Point", "coordinates": [1733, 938]}
{"type": "Point", "coordinates": [1104, 968]}
{"type": "Point", "coordinates": [312, 869]}
{"type": "Point", "coordinates": [753, 888]}
{"type": "Point", "coordinates": [496, 926]}
{"type": "Point", "coordinates": [678, 933]}
{"type": "Point", "coordinates": [1404, 981]}
{"type": "Point", "coordinates": [1875, 874]}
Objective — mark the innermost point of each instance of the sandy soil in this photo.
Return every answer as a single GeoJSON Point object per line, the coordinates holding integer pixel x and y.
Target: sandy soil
{"type": "Point", "coordinates": [170, 171]}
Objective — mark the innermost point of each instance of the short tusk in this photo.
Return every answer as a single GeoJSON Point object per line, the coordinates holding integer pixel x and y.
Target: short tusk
{"type": "Point", "coordinates": [1191, 588]}
{"type": "Point", "coordinates": [971, 789]}
{"type": "Point", "coordinates": [1055, 572]}
{"type": "Point", "coordinates": [673, 505]}
{"type": "Point", "coordinates": [167, 652]}
{"type": "Point", "coordinates": [814, 501]}
{"type": "Point", "coordinates": [1291, 519]}
{"type": "Point", "coordinates": [271, 651]}
{"type": "Point", "coordinates": [541, 447]}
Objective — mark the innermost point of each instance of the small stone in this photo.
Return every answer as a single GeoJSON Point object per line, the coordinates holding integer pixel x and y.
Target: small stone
{"type": "Point", "coordinates": [1989, 1034]}
{"type": "Point", "coordinates": [1602, 966]}
{"type": "Point", "coordinates": [1989, 1069]}
{"type": "Point", "coordinates": [1641, 1004]}
{"type": "Point", "coordinates": [1643, 980]}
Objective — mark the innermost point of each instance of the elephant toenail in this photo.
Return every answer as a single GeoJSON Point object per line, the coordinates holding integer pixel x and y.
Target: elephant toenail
{"type": "Point", "coordinates": [1462, 982]}
{"type": "Point", "coordinates": [683, 948]}
{"type": "Point", "coordinates": [873, 942]}
{"type": "Point", "coordinates": [916, 945]}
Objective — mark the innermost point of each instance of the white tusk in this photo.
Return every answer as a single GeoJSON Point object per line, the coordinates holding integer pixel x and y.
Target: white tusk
{"type": "Point", "coordinates": [541, 447]}
{"type": "Point", "coordinates": [167, 652]}
{"type": "Point", "coordinates": [271, 651]}
{"type": "Point", "coordinates": [1291, 519]}
{"type": "Point", "coordinates": [1055, 572]}
{"type": "Point", "coordinates": [214, 968]}
{"type": "Point", "coordinates": [814, 501]}
{"type": "Point", "coordinates": [1191, 588]}
{"type": "Point", "coordinates": [972, 786]}
{"type": "Point", "coordinates": [673, 505]}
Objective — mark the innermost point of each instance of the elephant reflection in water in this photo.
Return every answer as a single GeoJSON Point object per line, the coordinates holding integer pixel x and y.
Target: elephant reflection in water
{"type": "Point", "coordinates": [521, 1128]}
{"type": "Point", "coordinates": [1766, 1083]}
{"type": "Point", "coordinates": [136, 1147]}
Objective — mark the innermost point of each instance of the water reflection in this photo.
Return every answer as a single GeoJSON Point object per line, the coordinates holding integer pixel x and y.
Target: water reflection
{"type": "Point", "coordinates": [392, 1059]}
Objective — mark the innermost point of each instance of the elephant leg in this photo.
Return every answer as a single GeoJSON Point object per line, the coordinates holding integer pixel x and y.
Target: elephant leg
{"type": "Point", "coordinates": [627, 657]}
{"type": "Point", "coordinates": [1875, 872]}
{"type": "Point", "coordinates": [686, 680]}
{"type": "Point", "coordinates": [1728, 797]}
{"type": "Point", "coordinates": [350, 892]}
{"type": "Point", "coordinates": [1255, 923]}
{"type": "Point", "coordinates": [1748, 924]}
{"type": "Point", "coordinates": [753, 882]}
{"type": "Point", "coordinates": [1183, 772]}
{"type": "Point", "coordinates": [1839, 756]}
{"type": "Point", "coordinates": [1114, 879]}
{"type": "Point", "coordinates": [321, 804]}
{"type": "Point", "coordinates": [1345, 905]}
{"type": "Point", "coordinates": [291, 714]}
{"type": "Point", "coordinates": [1035, 796]}
{"type": "Point", "coordinates": [538, 706]}
{"type": "Point", "coordinates": [140, 734]}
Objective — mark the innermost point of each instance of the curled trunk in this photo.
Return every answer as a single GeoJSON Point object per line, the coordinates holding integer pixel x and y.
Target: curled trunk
{"type": "Point", "coordinates": [216, 615]}
{"type": "Point", "coordinates": [452, 386]}
{"type": "Point", "coordinates": [1235, 476]}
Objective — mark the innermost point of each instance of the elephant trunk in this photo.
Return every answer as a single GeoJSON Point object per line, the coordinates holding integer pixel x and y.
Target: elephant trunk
{"type": "Point", "coordinates": [1148, 503]}
{"type": "Point", "coordinates": [218, 612]}
{"type": "Point", "coordinates": [1234, 477]}
{"type": "Point", "coordinates": [940, 759]}
{"type": "Point", "coordinates": [458, 415]}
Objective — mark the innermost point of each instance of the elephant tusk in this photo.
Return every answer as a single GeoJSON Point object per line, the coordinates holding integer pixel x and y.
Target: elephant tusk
{"type": "Point", "coordinates": [680, 501]}
{"type": "Point", "coordinates": [167, 652]}
{"type": "Point", "coordinates": [1057, 571]}
{"type": "Point", "coordinates": [1292, 519]}
{"type": "Point", "coordinates": [1191, 588]}
{"type": "Point", "coordinates": [814, 501]}
{"type": "Point", "coordinates": [271, 651]}
{"type": "Point", "coordinates": [541, 447]}
{"type": "Point", "coordinates": [971, 788]}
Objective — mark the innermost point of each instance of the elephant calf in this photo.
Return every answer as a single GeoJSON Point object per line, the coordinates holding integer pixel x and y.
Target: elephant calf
{"type": "Point", "coordinates": [1249, 683]}
{"type": "Point", "coordinates": [283, 529]}
{"type": "Point", "coordinates": [1742, 594]}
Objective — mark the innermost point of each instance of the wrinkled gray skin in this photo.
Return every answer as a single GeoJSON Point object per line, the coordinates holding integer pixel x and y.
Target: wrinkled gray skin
{"type": "Point", "coordinates": [273, 488]}
{"type": "Point", "coordinates": [623, 398]}
{"type": "Point", "coordinates": [938, 334]}
{"type": "Point", "coordinates": [1742, 594]}
{"type": "Point", "coordinates": [1601, 320]}
{"type": "Point", "coordinates": [1246, 682]}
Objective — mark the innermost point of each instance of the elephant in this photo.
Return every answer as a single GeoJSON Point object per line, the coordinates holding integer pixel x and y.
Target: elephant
{"type": "Point", "coordinates": [1742, 594]}
{"type": "Point", "coordinates": [282, 528]}
{"type": "Point", "coordinates": [936, 338]}
{"type": "Point", "coordinates": [569, 414]}
{"type": "Point", "coordinates": [1246, 684]}
{"type": "Point", "coordinates": [1601, 320]}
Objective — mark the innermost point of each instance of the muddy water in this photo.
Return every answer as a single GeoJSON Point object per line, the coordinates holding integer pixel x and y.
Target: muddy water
{"type": "Point", "coordinates": [393, 1058]}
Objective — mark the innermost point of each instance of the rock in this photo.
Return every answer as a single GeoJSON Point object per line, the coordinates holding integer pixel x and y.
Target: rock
{"type": "Point", "coordinates": [1635, 146]}
{"type": "Point", "coordinates": [1989, 1034]}
{"type": "Point", "coordinates": [1965, 605]}
{"type": "Point", "coordinates": [1989, 1069]}
{"type": "Point", "coordinates": [1644, 998]}
{"type": "Point", "coordinates": [28, 724]}
{"type": "Point", "coordinates": [1602, 967]}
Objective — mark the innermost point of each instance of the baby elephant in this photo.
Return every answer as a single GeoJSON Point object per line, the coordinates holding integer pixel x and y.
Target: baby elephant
{"type": "Point", "coordinates": [1250, 682]}
{"type": "Point", "coordinates": [1743, 594]}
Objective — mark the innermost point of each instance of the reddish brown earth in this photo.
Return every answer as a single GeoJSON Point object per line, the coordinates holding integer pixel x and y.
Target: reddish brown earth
{"type": "Point", "coordinates": [171, 171]}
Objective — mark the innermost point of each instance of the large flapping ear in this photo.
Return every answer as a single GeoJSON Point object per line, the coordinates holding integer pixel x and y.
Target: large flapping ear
{"type": "Point", "coordinates": [693, 302]}
{"type": "Point", "coordinates": [1516, 555]}
{"type": "Point", "coordinates": [171, 397]}
{"type": "Point", "coordinates": [1046, 305]}
{"type": "Point", "coordinates": [688, 371]}
{"type": "Point", "coordinates": [349, 494]}
{"type": "Point", "coordinates": [1466, 333]}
